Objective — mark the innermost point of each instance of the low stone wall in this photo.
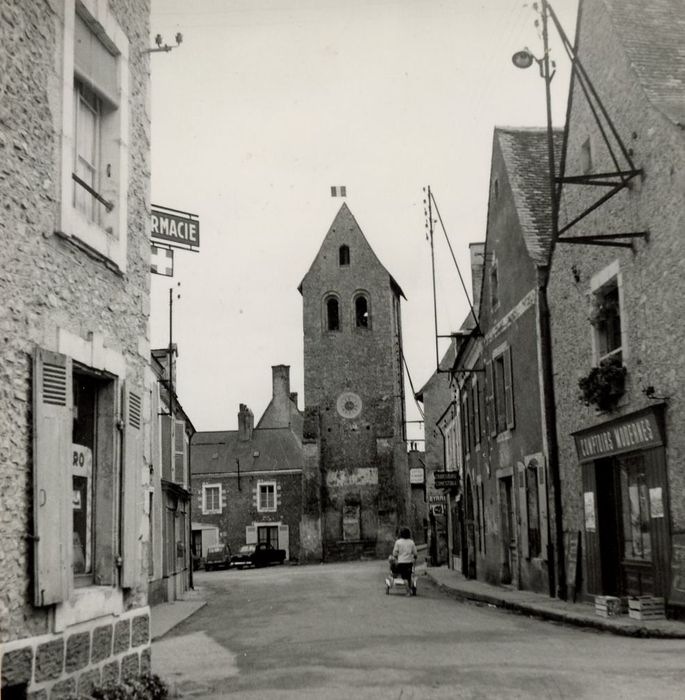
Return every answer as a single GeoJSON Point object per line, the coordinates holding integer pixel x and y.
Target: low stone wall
{"type": "Point", "coordinates": [98, 651]}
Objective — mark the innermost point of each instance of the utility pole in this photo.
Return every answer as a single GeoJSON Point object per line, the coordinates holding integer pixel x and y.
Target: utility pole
{"type": "Point", "coordinates": [546, 330]}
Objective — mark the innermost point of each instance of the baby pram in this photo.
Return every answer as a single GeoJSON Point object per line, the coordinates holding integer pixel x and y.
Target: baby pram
{"type": "Point", "coordinates": [395, 581]}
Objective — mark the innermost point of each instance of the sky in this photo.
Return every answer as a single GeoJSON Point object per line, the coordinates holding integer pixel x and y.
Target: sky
{"type": "Point", "coordinates": [266, 105]}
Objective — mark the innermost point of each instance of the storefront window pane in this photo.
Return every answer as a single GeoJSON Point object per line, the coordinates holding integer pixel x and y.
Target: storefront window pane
{"type": "Point", "coordinates": [636, 520]}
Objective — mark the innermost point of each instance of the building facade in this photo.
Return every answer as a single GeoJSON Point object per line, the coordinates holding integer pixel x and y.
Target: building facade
{"type": "Point", "coordinates": [502, 435]}
{"type": "Point", "coordinates": [354, 387]}
{"type": "Point", "coordinates": [617, 311]}
{"type": "Point", "coordinates": [247, 483]}
{"type": "Point", "coordinates": [74, 408]}
{"type": "Point", "coordinates": [168, 502]}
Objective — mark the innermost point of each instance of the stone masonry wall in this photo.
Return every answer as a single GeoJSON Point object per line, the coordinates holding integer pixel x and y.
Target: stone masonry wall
{"type": "Point", "coordinates": [46, 282]}
{"type": "Point", "coordinates": [653, 284]}
{"type": "Point", "coordinates": [100, 651]}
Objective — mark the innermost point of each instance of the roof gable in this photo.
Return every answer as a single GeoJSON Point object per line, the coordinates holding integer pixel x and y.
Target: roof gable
{"type": "Point", "coordinates": [346, 231]}
{"type": "Point", "coordinates": [524, 151]}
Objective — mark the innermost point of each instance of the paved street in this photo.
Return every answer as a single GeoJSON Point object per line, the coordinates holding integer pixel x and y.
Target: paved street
{"type": "Point", "coordinates": [330, 631]}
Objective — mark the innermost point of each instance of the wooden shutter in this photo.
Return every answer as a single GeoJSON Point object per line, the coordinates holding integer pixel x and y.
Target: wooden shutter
{"type": "Point", "coordinates": [251, 534]}
{"type": "Point", "coordinates": [179, 451]}
{"type": "Point", "coordinates": [542, 501]}
{"type": "Point", "coordinates": [523, 508]}
{"type": "Point", "coordinates": [284, 539]}
{"type": "Point", "coordinates": [52, 485]}
{"type": "Point", "coordinates": [167, 448]}
{"type": "Point", "coordinates": [476, 411]}
{"type": "Point", "coordinates": [490, 399]}
{"type": "Point", "coordinates": [132, 506]}
{"type": "Point", "coordinates": [508, 389]}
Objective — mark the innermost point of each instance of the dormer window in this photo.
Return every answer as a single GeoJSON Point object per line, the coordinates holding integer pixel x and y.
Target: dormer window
{"type": "Point", "coordinates": [332, 314]}
{"type": "Point", "coordinates": [344, 255]}
{"type": "Point", "coordinates": [361, 312]}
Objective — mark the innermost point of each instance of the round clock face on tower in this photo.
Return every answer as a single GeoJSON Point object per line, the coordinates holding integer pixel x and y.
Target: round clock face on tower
{"type": "Point", "coordinates": [349, 405]}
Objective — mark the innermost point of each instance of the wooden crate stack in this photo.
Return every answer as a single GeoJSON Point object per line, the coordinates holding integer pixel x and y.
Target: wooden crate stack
{"type": "Point", "coordinates": [646, 607]}
{"type": "Point", "coordinates": [609, 605]}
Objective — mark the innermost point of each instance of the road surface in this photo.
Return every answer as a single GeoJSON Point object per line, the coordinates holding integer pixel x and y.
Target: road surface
{"type": "Point", "coordinates": [330, 631]}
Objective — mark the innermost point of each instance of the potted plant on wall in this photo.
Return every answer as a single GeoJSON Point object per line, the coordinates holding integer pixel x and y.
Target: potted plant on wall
{"type": "Point", "coordinates": [604, 385]}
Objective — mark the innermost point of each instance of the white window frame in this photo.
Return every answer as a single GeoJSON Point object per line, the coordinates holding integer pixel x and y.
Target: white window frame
{"type": "Point", "coordinates": [260, 507]}
{"type": "Point", "coordinates": [598, 281]}
{"type": "Point", "coordinates": [107, 237]}
{"type": "Point", "coordinates": [205, 509]}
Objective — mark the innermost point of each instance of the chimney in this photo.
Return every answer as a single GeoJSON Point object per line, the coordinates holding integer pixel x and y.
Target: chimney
{"type": "Point", "coordinates": [477, 251]}
{"type": "Point", "coordinates": [245, 423]}
{"type": "Point", "coordinates": [280, 401]}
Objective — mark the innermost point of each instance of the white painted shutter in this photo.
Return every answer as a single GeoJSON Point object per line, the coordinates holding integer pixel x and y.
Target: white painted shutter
{"type": "Point", "coordinates": [523, 509]}
{"type": "Point", "coordinates": [251, 534]}
{"type": "Point", "coordinates": [509, 390]}
{"type": "Point", "coordinates": [284, 539]}
{"type": "Point", "coordinates": [52, 484]}
{"type": "Point", "coordinates": [132, 506]}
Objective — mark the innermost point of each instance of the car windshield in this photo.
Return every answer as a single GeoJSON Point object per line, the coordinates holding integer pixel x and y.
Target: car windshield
{"type": "Point", "coordinates": [247, 549]}
{"type": "Point", "coordinates": [215, 550]}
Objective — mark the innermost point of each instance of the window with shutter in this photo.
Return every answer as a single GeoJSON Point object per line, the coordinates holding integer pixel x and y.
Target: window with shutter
{"type": "Point", "coordinates": [52, 497]}
{"type": "Point", "coordinates": [95, 113]}
{"type": "Point", "coordinates": [251, 534]}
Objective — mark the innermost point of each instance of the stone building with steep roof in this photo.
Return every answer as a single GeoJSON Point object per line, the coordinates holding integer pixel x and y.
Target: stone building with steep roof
{"type": "Point", "coordinates": [617, 310]}
{"type": "Point", "coordinates": [358, 494]}
{"type": "Point", "coordinates": [247, 483]}
{"type": "Point", "coordinates": [75, 353]}
{"type": "Point", "coordinates": [504, 524]}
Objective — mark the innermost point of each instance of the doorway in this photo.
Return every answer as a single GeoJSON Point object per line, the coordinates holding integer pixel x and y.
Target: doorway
{"type": "Point", "coordinates": [268, 534]}
{"type": "Point", "coordinates": [608, 508]}
{"type": "Point", "coordinates": [470, 532]}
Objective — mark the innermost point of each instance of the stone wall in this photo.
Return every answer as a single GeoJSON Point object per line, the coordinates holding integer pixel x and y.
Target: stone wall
{"type": "Point", "coordinates": [240, 506]}
{"type": "Point", "coordinates": [50, 284]}
{"type": "Point", "coordinates": [653, 286]}
{"type": "Point", "coordinates": [100, 651]}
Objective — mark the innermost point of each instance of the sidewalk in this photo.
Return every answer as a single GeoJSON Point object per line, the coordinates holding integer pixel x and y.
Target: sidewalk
{"type": "Point", "coordinates": [546, 608]}
{"type": "Point", "coordinates": [165, 616]}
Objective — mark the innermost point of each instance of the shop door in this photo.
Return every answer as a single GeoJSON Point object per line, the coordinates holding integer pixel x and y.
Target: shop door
{"type": "Point", "coordinates": [608, 526]}
{"type": "Point", "coordinates": [507, 541]}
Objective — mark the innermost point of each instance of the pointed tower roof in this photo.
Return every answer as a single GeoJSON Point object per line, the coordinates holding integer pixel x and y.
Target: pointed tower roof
{"type": "Point", "coordinates": [345, 225]}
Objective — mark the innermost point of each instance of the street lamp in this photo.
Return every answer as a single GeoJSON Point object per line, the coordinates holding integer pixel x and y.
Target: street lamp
{"type": "Point", "coordinates": [525, 59]}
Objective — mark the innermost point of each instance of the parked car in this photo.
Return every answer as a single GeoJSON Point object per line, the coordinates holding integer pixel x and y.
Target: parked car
{"type": "Point", "coordinates": [218, 557]}
{"type": "Point", "coordinates": [260, 554]}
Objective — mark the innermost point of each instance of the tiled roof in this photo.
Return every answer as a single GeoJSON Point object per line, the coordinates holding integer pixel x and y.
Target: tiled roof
{"type": "Point", "coordinates": [652, 33]}
{"type": "Point", "coordinates": [268, 450]}
{"type": "Point", "coordinates": [525, 155]}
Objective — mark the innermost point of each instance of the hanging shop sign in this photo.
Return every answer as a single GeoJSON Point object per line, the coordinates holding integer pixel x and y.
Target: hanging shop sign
{"type": "Point", "coordinates": [446, 479]}
{"type": "Point", "coordinates": [175, 228]}
{"type": "Point", "coordinates": [638, 431]}
{"type": "Point", "coordinates": [437, 499]}
{"type": "Point", "coordinates": [416, 475]}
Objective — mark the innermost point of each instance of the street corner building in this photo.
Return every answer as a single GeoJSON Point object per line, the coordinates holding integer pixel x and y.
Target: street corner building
{"type": "Point", "coordinates": [74, 405]}
{"type": "Point", "coordinates": [247, 483]}
{"type": "Point", "coordinates": [356, 473]}
{"type": "Point", "coordinates": [617, 309]}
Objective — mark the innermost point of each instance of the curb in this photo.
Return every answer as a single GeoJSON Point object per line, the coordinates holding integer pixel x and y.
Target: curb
{"type": "Point", "coordinates": [636, 630]}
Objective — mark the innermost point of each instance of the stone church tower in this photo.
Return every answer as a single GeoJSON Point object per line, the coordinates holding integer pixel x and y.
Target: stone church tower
{"type": "Point", "coordinates": [356, 457]}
